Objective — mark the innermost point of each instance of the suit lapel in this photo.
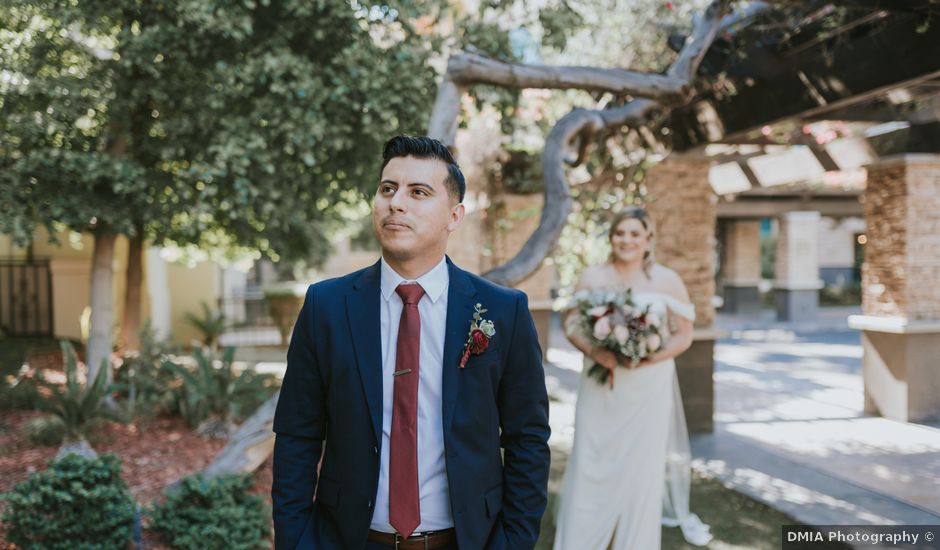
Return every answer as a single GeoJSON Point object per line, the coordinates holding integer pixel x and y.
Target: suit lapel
{"type": "Point", "coordinates": [362, 311]}
{"type": "Point", "coordinates": [460, 293]}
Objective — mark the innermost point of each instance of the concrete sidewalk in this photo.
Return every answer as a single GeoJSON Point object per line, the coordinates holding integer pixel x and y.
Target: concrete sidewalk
{"type": "Point", "coordinates": [789, 426]}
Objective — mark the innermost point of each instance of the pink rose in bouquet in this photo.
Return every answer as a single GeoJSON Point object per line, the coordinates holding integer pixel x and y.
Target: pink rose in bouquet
{"type": "Point", "coordinates": [613, 321]}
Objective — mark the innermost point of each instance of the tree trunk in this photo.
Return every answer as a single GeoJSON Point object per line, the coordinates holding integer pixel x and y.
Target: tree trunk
{"type": "Point", "coordinates": [132, 291]}
{"type": "Point", "coordinates": [249, 446]}
{"type": "Point", "coordinates": [102, 303]}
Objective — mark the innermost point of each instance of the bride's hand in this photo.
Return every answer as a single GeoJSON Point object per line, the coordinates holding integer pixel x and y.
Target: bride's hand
{"type": "Point", "coordinates": [648, 360]}
{"type": "Point", "coordinates": [605, 358]}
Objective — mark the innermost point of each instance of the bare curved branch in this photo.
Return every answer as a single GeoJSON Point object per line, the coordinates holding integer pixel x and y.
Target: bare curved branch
{"type": "Point", "coordinates": [652, 92]}
{"type": "Point", "coordinates": [469, 68]}
{"type": "Point", "coordinates": [557, 199]}
{"type": "Point", "coordinates": [443, 125]}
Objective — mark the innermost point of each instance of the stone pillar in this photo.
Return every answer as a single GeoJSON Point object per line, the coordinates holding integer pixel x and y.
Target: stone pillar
{"type": "Point", "coordinates": [900, 292]}
{"type": "Point", "coordinates": [741, 266]}
{"type": "Point", "coordinates": [797, 283]}
{"type": "Point", "coordinates": [682, 204]}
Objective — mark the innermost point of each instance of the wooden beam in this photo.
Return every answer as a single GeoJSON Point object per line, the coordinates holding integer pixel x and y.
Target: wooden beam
{"type": "Point", "coordinates": [772, 87]}
{"type": "Point", "coordinates": [771, 208]}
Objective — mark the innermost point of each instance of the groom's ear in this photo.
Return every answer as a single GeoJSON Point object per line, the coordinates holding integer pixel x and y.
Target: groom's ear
{"type": "Point", "coordinates": [456, 215]}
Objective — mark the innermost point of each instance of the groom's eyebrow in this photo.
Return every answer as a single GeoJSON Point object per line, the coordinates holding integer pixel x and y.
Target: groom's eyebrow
{"type": "Point", "coordinates": [428, 187]}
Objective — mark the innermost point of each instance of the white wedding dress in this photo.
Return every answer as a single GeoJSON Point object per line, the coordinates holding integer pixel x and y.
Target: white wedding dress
{"type": "Point", "coordinates": [628, 472]}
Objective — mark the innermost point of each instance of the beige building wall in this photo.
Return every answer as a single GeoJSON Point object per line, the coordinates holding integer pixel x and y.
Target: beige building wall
{"type": "Point", "coordinates": [189, 286]}
{"type": "Point", "coordinates": [70, 264]}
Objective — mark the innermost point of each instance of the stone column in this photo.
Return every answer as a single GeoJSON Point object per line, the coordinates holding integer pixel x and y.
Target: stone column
{"type": "Point", "coordinates": [741, 266]}
{"type": "Point", "coordinates": [797, 283]}
{"type": "Point", "coordinates": [682, 204]}
{"type": "Point", "coordinates": [900, 292]}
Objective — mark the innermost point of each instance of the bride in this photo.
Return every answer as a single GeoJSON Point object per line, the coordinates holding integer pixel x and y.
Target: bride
{"type": "Point", "coordinates": [629, 468]}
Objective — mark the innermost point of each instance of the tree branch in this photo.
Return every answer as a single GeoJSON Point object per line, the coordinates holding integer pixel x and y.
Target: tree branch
{"type": "Point", "coordinates": [468, 68]}
{"type": "Point", "coordinates": [653, 91]}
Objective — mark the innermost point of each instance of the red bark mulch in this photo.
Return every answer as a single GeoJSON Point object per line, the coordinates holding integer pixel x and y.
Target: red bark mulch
{"type": "Point", "coordinates": [153, 453]}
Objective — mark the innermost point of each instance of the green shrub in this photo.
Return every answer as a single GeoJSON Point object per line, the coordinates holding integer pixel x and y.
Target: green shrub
{"type": "Point", "coordinates": [218, 393]}
{"type": "Point", "coordinates": [212, 514]}
{"type": "Point", "coordinates": [78, 405]}
{"type": "Point", "coordinates": [212, 324]}
{"type": "Point", "coordinates": [142, 380]}
{"type": "Point", "coordinates": [19, 392]}
{"type": "Point", "coordinates": [45, 430]}
{"type": "Point", "coordinates": [77, 503]}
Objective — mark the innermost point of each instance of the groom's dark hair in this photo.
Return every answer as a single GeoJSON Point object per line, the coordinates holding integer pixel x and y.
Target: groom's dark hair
{"type": "Point", "coordinates": [426, 148]}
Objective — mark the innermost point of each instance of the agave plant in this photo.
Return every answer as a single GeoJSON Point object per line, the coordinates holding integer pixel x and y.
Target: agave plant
{"type": "Point", "coordinates": [211, 324]}
{"type": "Point", "coordinates": [78, 405]}
{"type": "Point", "coordinates": [213, 393]}
{"type": "Point", "coordinates": [141, 378]}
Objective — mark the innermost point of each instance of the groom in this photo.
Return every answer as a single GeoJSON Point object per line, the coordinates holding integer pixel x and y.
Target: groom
{"type": "Point", "coordinates": [418, 384]}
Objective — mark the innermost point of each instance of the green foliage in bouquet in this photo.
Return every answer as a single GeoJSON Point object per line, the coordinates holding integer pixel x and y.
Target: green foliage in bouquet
{"type": "Point", "coordinates": [212, 514]}
{"type": "Point", "coordinates": [614, 321]}
{"type": "Point", "coordinates": [77, 503]}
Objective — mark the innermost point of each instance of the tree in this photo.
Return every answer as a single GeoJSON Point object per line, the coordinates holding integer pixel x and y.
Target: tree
{"type": "Point", "coordinates": [245, 124]}
{"type": "Point", "coordinates": [649, 94]}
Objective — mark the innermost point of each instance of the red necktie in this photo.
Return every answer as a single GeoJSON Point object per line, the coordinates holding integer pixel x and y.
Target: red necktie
{"type": "Point", "coordinates": [404, 506]}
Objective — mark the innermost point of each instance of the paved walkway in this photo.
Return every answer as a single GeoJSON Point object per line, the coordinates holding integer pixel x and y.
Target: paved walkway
{"type": "Point", "coordinates": [789, 426]}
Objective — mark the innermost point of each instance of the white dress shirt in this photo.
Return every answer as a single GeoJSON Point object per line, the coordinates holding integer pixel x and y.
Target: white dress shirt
{"type": "Point", "coordinates": [433, 489]}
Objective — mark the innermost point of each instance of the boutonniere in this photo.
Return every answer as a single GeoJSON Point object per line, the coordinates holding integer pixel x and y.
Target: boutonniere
{"type": "Point", "coordinates": [481, 330]}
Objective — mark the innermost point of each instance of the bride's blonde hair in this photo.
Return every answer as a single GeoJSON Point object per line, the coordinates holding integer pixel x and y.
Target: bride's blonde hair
{"type": "Point", "coordinates": [637, 213]}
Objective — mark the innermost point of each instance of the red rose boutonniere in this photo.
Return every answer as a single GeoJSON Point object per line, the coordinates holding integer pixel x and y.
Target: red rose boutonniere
{"type": "Point", "coordinates": [481, 330]}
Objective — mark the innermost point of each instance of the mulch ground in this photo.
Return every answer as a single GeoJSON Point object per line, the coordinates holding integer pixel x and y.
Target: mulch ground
{"type": "Point", "coordinates": [153, 452]}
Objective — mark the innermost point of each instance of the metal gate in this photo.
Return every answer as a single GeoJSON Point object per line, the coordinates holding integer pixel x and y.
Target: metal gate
{"type": "Point", "coordinates": [25, 297]}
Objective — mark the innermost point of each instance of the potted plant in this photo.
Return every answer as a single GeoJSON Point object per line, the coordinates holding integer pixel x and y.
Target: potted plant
{"type": "Point", "coordinates": [284, 303]}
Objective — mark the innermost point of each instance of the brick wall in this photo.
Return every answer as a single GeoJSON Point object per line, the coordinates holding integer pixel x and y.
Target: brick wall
{"type": "Point", "coordinates": [902, 257]}
{"type": "Point", "coordinates": [683, 206]}
{"type": "Point", "coordinates": [509, 227]}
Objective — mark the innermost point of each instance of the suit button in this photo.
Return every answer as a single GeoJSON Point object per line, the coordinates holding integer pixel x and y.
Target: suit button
{"type": "Point", "coordinates": [369, 506]}
{"type": "Point", "coordinates": [375, 450]}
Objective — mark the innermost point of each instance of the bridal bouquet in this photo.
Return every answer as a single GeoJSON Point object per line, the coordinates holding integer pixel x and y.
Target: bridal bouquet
{"type": "Point", "coordinates": [613, 321]}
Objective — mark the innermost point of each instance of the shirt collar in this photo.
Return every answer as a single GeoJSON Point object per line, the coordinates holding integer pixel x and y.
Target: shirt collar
{"type": "Point", "coordinates": [434, 282]}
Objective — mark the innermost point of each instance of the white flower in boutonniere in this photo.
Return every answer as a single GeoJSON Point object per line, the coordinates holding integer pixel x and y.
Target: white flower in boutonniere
{"type": "Point", "coordinates": [481, 330]}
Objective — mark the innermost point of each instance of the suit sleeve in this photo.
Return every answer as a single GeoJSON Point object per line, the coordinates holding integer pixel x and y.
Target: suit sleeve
{"type": "Point", "coordinates": [300, 425]}
{"type": "Point", "coordinates": [523, 412]}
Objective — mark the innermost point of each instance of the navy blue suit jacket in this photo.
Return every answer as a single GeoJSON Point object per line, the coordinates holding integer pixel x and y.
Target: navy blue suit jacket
{"type": "Point", "coordinates": [331, 405]}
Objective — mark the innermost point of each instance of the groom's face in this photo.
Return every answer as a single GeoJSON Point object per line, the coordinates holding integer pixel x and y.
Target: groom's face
{"type": "Point", "coordinates": [413, 212]}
